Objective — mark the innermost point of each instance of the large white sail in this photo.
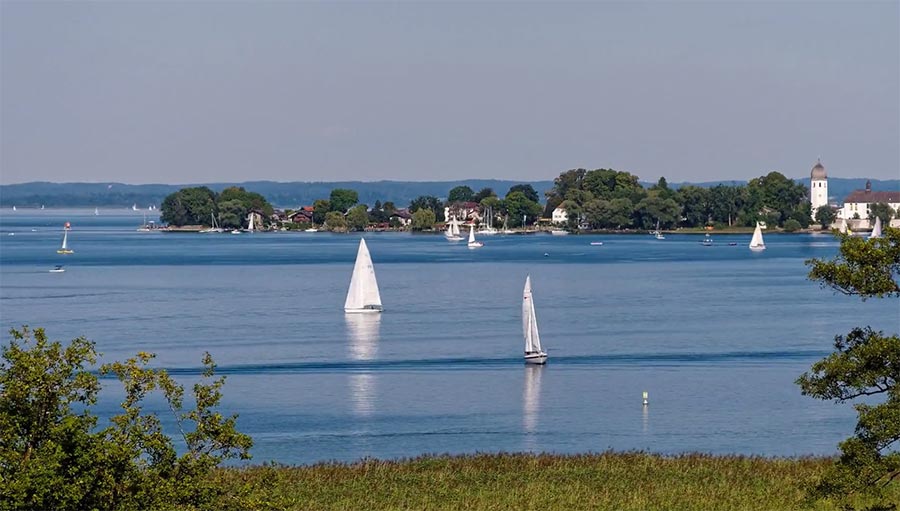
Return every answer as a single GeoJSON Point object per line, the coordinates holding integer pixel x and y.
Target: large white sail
{"type": "Point", "coordinates": [876, 231]}
{"type": "Point", "coordinates": [529, 321]}
{"type": "Point", "coordinates": [250, 222]}
{"type": "Point", "coordinates": [65, 244]}
{"type": "Point", "coordinates": [455, 227]}
{"type": "Point", "coordinates": [363, 295]}
{"type": "Point", "coordinates": [757, 243]}
{"type": "Point", "coordinates": [471, 234]}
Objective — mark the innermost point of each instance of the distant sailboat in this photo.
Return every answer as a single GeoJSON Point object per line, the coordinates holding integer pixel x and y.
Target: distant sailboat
{"type": "Point", "coordinates": [64, 249]}
{"type": "Point", "coordinates": [134, 207]}
{"type": "Point", "coordinates": [363, 295]}
{"type": "Point", "coordinates": [756, 243]}
{"type": "Point", "coordinates": [250, 222]}
{"type": "Point", "coordinates": [472, 243]}
{"type": "Point", "coordinates": [14, 208]}
{"type": "Point", "coordinates": [534, 354]}
{"type": "Point", "coordinates": [657, 233]}
{"type": "Point", "coordinates": [452, 233]}
{"type": "Point", "coordinates": [876, 231]}
{"type": "Point", "coordinates": [488, 229]}
{"type": "Point", "coordinates": [96, 211]}
{"type": "Point", "coordinates": [214, 226]}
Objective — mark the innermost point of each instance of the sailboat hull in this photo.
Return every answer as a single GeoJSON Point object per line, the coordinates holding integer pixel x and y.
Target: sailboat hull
{"type": "Point", "coordinates": [369, 309]}
{"type": "Point", "coordinates": [65, 251]}
{"type": "Point", "coordinates": [536, 358]}
{"type": "Point", "coordinates": [758, 248]}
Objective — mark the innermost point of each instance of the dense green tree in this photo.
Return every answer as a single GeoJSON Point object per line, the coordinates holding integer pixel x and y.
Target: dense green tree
{"type": "Point", "coordinates": [620, 213]}
{"type": "Point", "coordinates": [553, 202]}
{"type": "Point", "coordinates": [662, 189]}
{"type": "Point", "coordinates": [460, 194]}
{"type": "Point", "coordinates": [825, 216]}
{"type": "Point", "coordinates": [792, 225]}
{"type": "Point", "coordinates": [232, 214]}
{"type": "Point", "coordinates": [189, 206]}
{"type": "Point", "coordinates": [865, 364]}
{"type": "Point", "coordinates": [53, 457]}
{"type": "Point", "coordinates": [518, 205]}
{"type": "Point", "coordinates": [422, 219]}
{"type": "Point", "coordinates": [428, 202]}
{"type": "Point", "coordinates": [389, 208]}
{"type": "Point", "coordinates": [568, 180]}
{"type": "Point", "coordinates": [250, 200]}
{"type": "Point", "coordinates": [321, 207]}
{"type": "Point", "coordinates": [696, 205]}
{"type": "Point", "coordinates": [342, 199]}
{"type": "Point", "coordinates": [655, 208]}
{"type": "Point", "coordinates": [529, 191]}
{"type": "Point", "coordinates": [777, 193]}
{"type": "Point", "coordinates": [883, 211]}
{"type": "Point", "coordinates": [358, 218]}
{"type": "Point", "coordinates": [482, 194]}
{"type": "Point", "coordinates": [335, 222]}
{"type": "Point", "coordinates": [727, 203]}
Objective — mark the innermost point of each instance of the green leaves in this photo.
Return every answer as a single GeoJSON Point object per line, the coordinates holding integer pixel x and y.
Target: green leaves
{"type": "Point", "coordinates": [865, 363]}
{"type": "Point", "coordinates": [867, 268]}
{"type": "Point", "coordinates": [52, 458]}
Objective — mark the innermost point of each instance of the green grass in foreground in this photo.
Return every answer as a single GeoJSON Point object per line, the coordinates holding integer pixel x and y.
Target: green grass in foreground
{"type": "Point", "coordinates": [614, 481]}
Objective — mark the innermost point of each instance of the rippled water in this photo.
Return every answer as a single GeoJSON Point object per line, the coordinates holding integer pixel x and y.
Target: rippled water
{"type": "Point", "coordinates": [716, 335]}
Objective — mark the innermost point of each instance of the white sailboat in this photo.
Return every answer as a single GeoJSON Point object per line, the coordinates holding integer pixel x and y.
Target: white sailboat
{"type": "Point", "coordinates": [452, 233]}
{"type": "Point", "coordinates": [472, 243]}
{"type": "Point", "coordinates": [756, 243]}
{"type": "Point", "coordinates": [534, 354]}
{"type": "Point", "coordinates": [363, 295]}
{"type": "Point", "coordinates": [488, 229]}
{"type": "Point", "coordinates": [64, 249]}
{"type": "Point", "coordinates": [657, 233]}
{"type": "Point", "coordinates": [250, 222]}
{"type": "Point", "coordinates": [214, 226]}
{"type": "Point", "coordinates": [876, 231]}
{"type": "Point", "coordinates": [96, 211]}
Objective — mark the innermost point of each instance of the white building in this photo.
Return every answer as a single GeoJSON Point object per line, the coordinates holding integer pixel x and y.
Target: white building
{"type": "Point", "coordinates": [559, 216]}
{"type": "Point", "coordinates": [856, 206]}
{"type": "Point", "coordinates": [818, 188]}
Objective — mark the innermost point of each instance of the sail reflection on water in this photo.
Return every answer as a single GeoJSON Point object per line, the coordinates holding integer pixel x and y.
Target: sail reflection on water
{"type": "Point", "coordinates": [531, 404]}
{"type": "Point", "coordinates": [363, 332]}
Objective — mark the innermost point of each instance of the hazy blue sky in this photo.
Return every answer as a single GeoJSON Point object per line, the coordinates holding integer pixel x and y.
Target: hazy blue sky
{"type": "Point", "coordinates": [205, 91]}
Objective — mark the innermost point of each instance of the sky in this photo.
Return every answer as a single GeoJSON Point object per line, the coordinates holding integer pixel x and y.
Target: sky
{"type": "Point", "coordinates": [207, 91]}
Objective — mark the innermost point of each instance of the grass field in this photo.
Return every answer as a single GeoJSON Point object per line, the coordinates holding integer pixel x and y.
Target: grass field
{"type": "Point", "coordinates": [614, 481]}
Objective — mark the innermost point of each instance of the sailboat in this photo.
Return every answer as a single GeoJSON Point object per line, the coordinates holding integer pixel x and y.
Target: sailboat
{"type": "Point", "coordinates": [96, 211]}
{"type": "Point", "coordinates": [489, 230]}
{"type": "Point", "coordinates": [214, 226]}
{"type": "Point", "coordinates": [876, 231]}
{"type": "Point", "coordinates": [134, 207]}
{"type": "Point", "coordinates": [452, 233]}
{"type": "Point", "coordinates": [64, 249]}
{"type": "Point", "coordinates": [472, 243]}
{"type": "Point", "coordinates": [506, 229]}
{"type": "Point", "coordinates": [250, 219]}
{"type": "Point", "coordinates": [756, 243]}
{"type": "Point", "coordinates": [534, 354]}
{"type": "Point", "coordinates": [363, 295]}
{"type": "Point", "coordinates": [659, 235]}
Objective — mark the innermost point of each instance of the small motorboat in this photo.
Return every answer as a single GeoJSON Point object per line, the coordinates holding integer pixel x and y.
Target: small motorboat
{"type": "Point", "coordinates": [58, 269]}
{"type": "Point", "coordinates": [596, 243]}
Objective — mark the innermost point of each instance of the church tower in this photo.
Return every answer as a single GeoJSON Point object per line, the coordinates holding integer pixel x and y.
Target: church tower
{"type": "Point", "coordinates": [818, 187]}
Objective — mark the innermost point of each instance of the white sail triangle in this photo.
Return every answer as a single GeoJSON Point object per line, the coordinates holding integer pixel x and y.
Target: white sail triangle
{"type": "Point", "coordinates": [876, 231]}
{"type": "Point", "coordinates": [757, 243]}
{"type": "Point", "coordinates": [363, 295]}
{"type": "Point", "coordinates": [534, 353]}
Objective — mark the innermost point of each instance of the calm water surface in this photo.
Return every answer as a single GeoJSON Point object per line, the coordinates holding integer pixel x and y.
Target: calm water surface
{"type": "Point", "coordinates": [717, 335]}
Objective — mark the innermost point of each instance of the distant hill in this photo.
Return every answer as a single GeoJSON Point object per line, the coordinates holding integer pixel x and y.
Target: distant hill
{"type": "Point", "coordinates": [280, 194]}
{"type": "Point", "coordinates": [295, 194]}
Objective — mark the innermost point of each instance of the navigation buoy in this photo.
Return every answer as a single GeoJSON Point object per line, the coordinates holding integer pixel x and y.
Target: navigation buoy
{"type": "Point", "coordinates": [646, 401]}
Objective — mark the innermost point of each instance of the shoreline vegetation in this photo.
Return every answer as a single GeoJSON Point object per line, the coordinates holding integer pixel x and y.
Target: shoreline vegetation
{"type": "Point", "coordinates": [580, 201]}
{"type": "Point", "coordinates": [610, 480]}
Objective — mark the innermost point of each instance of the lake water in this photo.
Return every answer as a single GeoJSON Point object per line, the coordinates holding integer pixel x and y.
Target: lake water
{"type": "Point", "coordinates": [717, 335]}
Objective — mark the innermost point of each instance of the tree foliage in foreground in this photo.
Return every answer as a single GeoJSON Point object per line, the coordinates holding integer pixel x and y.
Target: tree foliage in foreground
{"type": "Point", "coordinates": [865, 364]}
{"type": "Point", "coordinates": [53, 457]}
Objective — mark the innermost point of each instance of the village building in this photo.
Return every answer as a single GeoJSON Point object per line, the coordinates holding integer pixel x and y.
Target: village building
{"type": "Point", "coordinates": [403, 216]}
{"type": "Point", "coordinates": [818, 188]}
{"type": "Point", "coordinates": [857, 206]}
{"type": "Point", "coordinates": [463, 211]}
{"type": "Point", "coordinates": [559, 216]}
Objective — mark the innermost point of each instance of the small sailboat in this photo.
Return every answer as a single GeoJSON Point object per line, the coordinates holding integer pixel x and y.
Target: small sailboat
{"type": "Point", "coordinates": [363, 295]}
{"type": "Point", "coordinates": [876, 231]}
{"type": "Point", "coordinates": [657, 233]}
{"type": "Point", "coordinates": [472, 243]}
{"type": "Point", "coordinates": [534, 354]}
{"type": "Point", "coordinates": [42, 206]}
{"type": "Point", "coordinates": [64, 249]}
{"type": "Point", "coordinates": [134, 207]}
{"type": "Point", "coordinates": [452, 233]}
{"type": "Point", "coordinates": [96, 211]}
{"type": "Point", "coordinates": [213, 226]}
{"type": "Point", "coordinates": [488, 229]}
{"type": "Point", "coordinates": [14, 208]}
{"type": "Point", "coordinates": [506, 229]}
{"type": "Point", "coordinates": [707, 240]}
{"type": "Point", "coordinates": [756, 243]}
{"type": "Point", "coordinates": [58, 269]}
{"type": "Point", "coordinates": [250, 222]}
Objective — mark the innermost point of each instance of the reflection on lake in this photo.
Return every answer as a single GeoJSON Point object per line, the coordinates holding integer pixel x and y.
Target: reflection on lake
{"type": "Point", "coordinates": [362, 332]}
{"type": "Point", "coordinates": [531, 404]}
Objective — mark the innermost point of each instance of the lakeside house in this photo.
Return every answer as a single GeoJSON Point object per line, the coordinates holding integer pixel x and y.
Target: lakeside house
{"type": "Point", "coordinates": [559, 216]}
{"type": "Point", "coordinates": [403, 216]}
{"type": "Point", "coordinates": [857, 206]}
{"type": "Point", "coordinates": [464, 211]}
{"type": "Point", "coordinates": [303, 215]}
